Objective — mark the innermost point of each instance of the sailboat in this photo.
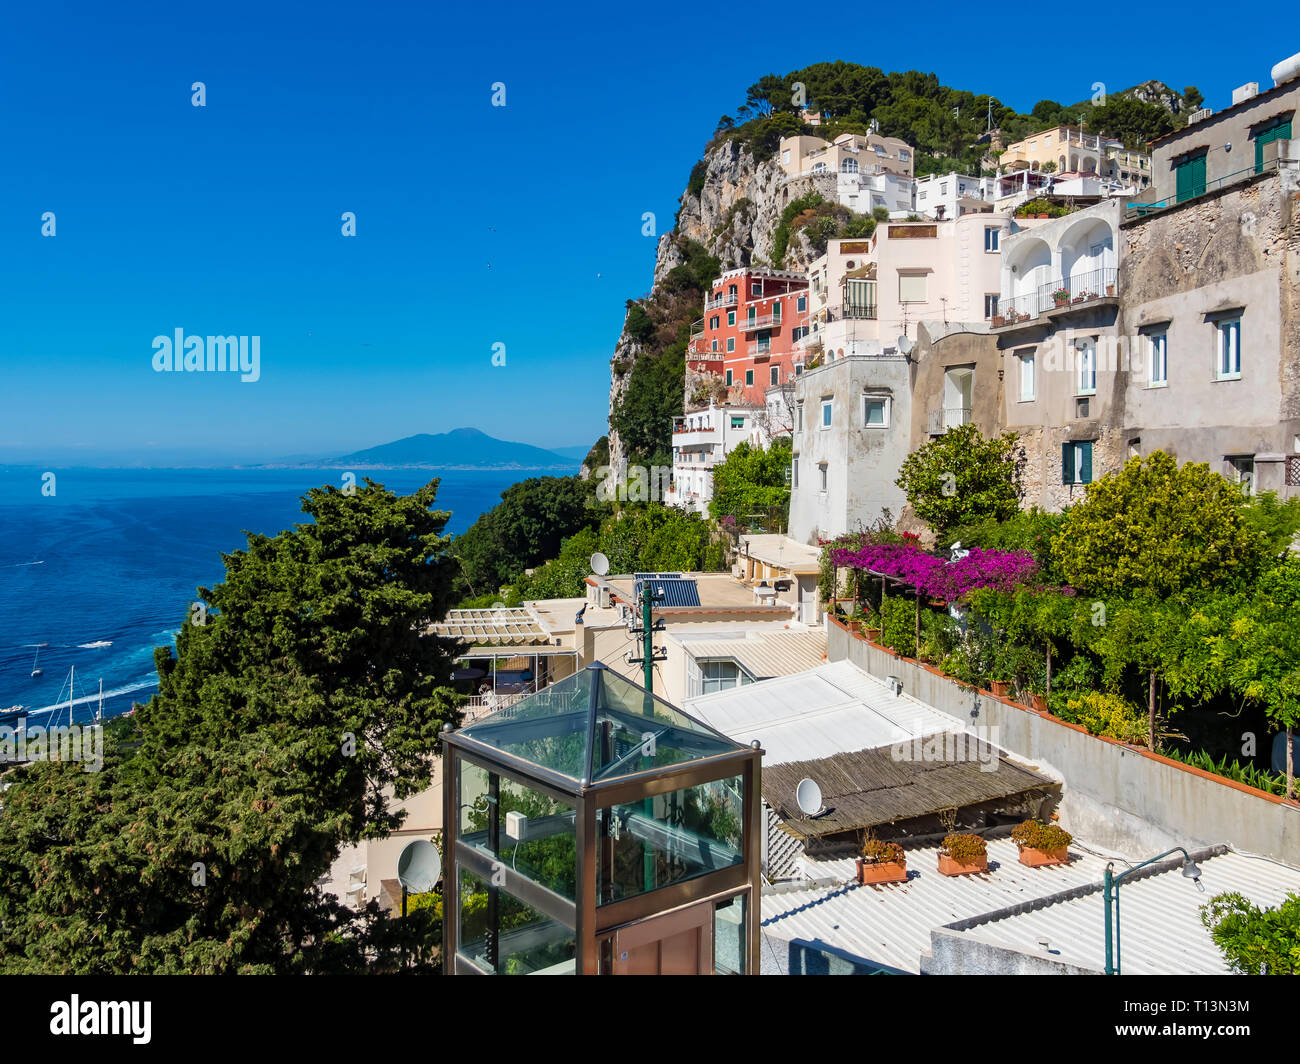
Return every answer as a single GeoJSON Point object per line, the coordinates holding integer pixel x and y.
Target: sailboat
{"type": "Point", "coordinates": [36, 669]}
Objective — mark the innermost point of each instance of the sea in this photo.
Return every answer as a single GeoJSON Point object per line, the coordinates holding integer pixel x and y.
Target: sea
{"type": "Point", "coordinates": [104, 569]}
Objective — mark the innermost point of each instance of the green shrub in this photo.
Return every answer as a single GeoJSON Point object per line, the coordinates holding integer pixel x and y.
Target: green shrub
{"type": "Point", "coordinates": [1102, 714]}
{"type": "Point", "coordinates": [1255, 941]}
{"type": "Point", "coordinates": [781, 235]}
{"type": "Point", "coordinates": [964, 847]}
{"type": "Point", "coordinates": [1039, 836]}
{"type": "Point", "coordinates": [898, 624]}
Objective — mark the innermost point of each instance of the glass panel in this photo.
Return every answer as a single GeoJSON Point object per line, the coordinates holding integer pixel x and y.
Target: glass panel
{"type": "Point", "coordinates": [729, 939]}
{"type": "Point", "coordinates": [547, 849]}
{"type": "Point", "coordinates": [549, 728]}
{"type": "Point", "coordinates": [636, 731]}
{"type": "Point", "coordinates": [672, 837]}
{"type": "Point", "coordinates": [519, 941]}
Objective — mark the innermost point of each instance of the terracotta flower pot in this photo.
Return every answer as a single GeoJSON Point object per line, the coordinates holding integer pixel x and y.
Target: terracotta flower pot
{"type": "Point", "coordinates": [874, 872]}
{"type": "Point", "coordinates": [873, 634]}
{"type": "Point", "coordinates": [1110, 289]}
{"type": "Point", "coordinates": [1037, 858]}
{"type": "Point", "coordinates": [948, 866]}
{"type": "Point", "coordinates": [999, 688]}
{"type": "Point", "coordinates": [1038, 702]}
{"type": "Point", "coordinates": [999, 320]}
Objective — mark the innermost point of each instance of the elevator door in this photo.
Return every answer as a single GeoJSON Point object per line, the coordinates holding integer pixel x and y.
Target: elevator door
{"type": "Point", "coordinates": [680, 943]}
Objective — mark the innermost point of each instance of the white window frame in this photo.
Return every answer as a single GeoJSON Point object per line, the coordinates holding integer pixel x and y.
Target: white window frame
{"type": "Point", "coordinates": [992, 235]}
{"type": "Point", "coordinates": [923, 278]}
{"type": "Point", "coordinates": [1028, 372]}
{"type": "Point", "coordinates": [828, 413]}
{"type": "Point", "coordinates": [825, 477]}
{"type": "Point", "coordinates": [794, 471]}
{"type": "Point", "coordinates": [798, 408]}
{"type": "Point", "coordinates": [1083, 347]}
{"type": "Point", "coordinates": [1158, 359]}
{"type": "Point", "coordinates": [731, 317]}
{"type": "Point", "coordinates": [867, 400]}
{"type": "Point", "coordinates": [1228, 356]}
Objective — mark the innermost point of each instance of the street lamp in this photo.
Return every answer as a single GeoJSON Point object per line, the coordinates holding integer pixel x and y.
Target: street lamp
{"type": "Point", "coordinates": [1191, 871]}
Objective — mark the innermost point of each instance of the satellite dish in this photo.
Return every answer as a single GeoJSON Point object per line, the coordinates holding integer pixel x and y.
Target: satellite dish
{"type": "Point", "coordinates": [809, 797]}
{"type": "Point", "coordinates": [905, 345]}
{"type": "Point", "coordinates": [419, 867]}
{"type": "Point", "coordinates": [599, 564]}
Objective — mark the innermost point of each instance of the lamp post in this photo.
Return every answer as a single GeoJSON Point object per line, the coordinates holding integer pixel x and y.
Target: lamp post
{"type": "Point", "coordinates": [1190, 871]}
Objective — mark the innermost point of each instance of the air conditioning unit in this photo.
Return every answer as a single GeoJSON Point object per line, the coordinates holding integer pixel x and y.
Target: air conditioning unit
{"type": "Point", "coordinates": [602, 597]}
{"type": "Point", "coordinates": [1245, 92]}
{"type": "Point", "coordinates": [895, 685]}
{"type": "Point", "coordinates": [1197, 116]}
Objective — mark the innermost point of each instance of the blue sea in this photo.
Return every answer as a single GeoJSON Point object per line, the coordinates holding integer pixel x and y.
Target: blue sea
{"type": "Point", "coordinates": [105, 570]}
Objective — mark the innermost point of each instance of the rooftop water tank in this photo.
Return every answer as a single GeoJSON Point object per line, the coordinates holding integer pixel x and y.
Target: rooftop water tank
{"type": "Point", "coordinates": [1286, 70]}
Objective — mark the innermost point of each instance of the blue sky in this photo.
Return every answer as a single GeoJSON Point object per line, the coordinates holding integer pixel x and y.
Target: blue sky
{"type": "Point", "coordinates": [476, 224]}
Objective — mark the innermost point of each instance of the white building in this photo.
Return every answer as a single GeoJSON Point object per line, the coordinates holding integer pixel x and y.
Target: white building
{"type": "Point", "coordinates": [702, 439]}
{"type": "Point", "coordinates": [951, 195]}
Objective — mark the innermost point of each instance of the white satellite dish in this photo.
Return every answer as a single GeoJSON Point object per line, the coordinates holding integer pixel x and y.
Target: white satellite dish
{"type": "Point", "coordinates": [419, 866]}
{"type": "Point", "coordinates": [599, 564]}
{"type": "Point", "coordinates": [809, 797]}
{"type": "Point", "coordinates": [905, 345]}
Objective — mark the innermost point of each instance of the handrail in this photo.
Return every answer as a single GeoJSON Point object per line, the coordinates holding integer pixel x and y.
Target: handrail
{"type": "Point", "coordinates": [1145, 210]}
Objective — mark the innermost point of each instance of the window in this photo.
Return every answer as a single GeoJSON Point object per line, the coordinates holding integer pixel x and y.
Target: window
{"type": "Point", "coordinates": [794, 471]}
{"type": "Point", "coordinates": [752, 315]}
{"type": "Point", "coordinates": [991, 236]}
{"type": "Point", "coordinates": [731, 317]}
{"type": "Point", "coordinates": [713, 345]}
{"type": "Point", "coordinates": [776, 313]}
{"type": "Point", "coordinates": [737, 422]}
{"type": "Point", "coordinates": [904, 155]}
{"type": "Point", "coordinates": [1076, 462]}
{"type": "Point", "coordinates": [1241, 470]}
{"type": "Point", "coordinates": [911, 287]}
{"type": "Point", "coordinates": [1027, 391]}
{"type": "Point", "coordinates": [990, 304]}
{"type": "Point", "coordinates": [803, 304]}
{"type": "Point", "coordinates": [798, 372]}
{"type": "Point", "coordinates": [785, 156]}
{"type": "Point", "coordinates": [826, 413]}
{"type": "Point", "coordinates": [1087, 359]}
{"type": "Point", "coordinates": [728, 378]}
{"type": "Point", "coordinates": [756, 288]}
{"type": "Point", "coordinates": [1189, 176]}
{"type": "Point", "coordinates": [713, 322]}
{"type": "Point", "coordinates": [850, 166]}
{"type": "Point", "coordinates": [731, 344]}
{"type": "Point", "coordinates": [875, 412]}
{"type": "Point", "coordinates": [798, 412]}
{"type": "Point", "coordinates": [821, 469]}
{"type": "Point", "coordinates": [1228, 342]}
{"type": "Point", "coordinates": [1157, 360]}
{"type": "Point", "coordinates": [749, 378]}
{"type": "Point", "coordinates": [776, 375]}
{"type": "Point", "coordinates": [943, 188]}
{"type": "Point", "coordinates": [1266, 137]}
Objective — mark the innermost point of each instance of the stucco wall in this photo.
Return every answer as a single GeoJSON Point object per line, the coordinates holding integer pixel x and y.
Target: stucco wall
{"type": "Point", "coordinates": [1114, 795]}
{"type": "Point", "coordinates": [952, 953]}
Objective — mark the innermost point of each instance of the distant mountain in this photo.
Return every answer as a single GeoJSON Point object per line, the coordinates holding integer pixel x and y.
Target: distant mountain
{"type": "Point", "coordinates": [576, 453]}
{"type": "Point", "coordinates": [459, 449]}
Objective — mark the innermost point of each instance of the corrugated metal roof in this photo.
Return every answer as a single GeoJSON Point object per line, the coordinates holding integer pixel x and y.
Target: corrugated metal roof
{"type": "Point", "coordinates": [827, 710]}
{"type": "Point", "coordinates": [890, 925]}
{"type": "Point", "coordinates": [1160, 918]}
{"type": "Point", "coordinates": [766, 654]}
{"type": "Point", "coordinates": [868, 788]}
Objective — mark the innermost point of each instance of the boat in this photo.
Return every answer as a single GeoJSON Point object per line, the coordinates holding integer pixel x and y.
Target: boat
{"type": "Point", "coordinates": [12, 715]}
{"type": "Point", "coordinates": [36, 669]}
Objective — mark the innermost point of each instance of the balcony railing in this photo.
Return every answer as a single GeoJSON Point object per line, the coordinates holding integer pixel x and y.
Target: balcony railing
{"type": "Point", "coordinates": [758, 350]}
{"type": "Point", "coordinates": [948, 418]}
{"type": "Point", "coordinates": [1143, 210]}
{"type": "Point", "coordinates": [761, 321]}
{"type": "Point", "coordinates": [722, 301]}
{"type": "Point", "coordinates": [1064, 292]}
{"type": "Point", "coordinates": [852, 312]}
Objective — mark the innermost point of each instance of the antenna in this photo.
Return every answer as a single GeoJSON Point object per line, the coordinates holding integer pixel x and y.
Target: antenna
{"type": "Point", "coordinates": [808, 796]}
{"type": "Point", "coordinates": [599, 564]}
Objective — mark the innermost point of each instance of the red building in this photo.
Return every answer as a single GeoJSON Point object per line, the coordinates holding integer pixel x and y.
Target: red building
{"type": "Point", "coordinates": [751, 320]}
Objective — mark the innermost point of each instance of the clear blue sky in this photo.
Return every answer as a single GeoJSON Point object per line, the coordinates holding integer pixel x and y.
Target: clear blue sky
{"type": "Point", "coordinates": [226, 219]}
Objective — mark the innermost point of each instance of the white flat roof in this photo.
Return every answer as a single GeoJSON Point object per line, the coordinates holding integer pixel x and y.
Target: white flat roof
{"type": "Point", "coordinates": [763, 652]}
{"type": "Point", "coordinates": [827, 710]}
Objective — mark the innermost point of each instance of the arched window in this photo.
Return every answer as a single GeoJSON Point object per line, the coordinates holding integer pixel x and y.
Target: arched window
{"type": "Point", "coordinates": [850, 166]}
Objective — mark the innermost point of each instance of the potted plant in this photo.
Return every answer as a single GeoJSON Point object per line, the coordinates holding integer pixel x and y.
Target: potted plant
{"type": "Point", "coordinates": [1061, 297]}
{"type": "Point", "coordinates": [1037, 697]}
{"type": "Point", "coordinates": [1041, 844]}
{"type": "Point", "coordinates": [882, 862]}
{"type": "Point", "coordinates": [1110, 289]}
{"type": "Point", "coordinates": [963, 855]}
{"type": "Point", "coordinates": [999, 320]}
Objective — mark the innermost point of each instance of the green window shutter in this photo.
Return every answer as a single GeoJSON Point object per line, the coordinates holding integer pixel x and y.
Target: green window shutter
{"type": "Point", "coordinates": [1067, 464]}
{"type": "Point", "coordinates": [1190, 178]}
{"type": "Point", "coordinates": [1085, 472]}
{"type": "Point", "coordinates": [1280, 131]}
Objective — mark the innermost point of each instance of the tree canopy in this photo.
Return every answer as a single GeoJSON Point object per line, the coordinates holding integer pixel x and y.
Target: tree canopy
{"type": "Point", "coordinates": [962, 477]}
{"type": "Point", "coordinates": [753, 481]}
{"type": "Point", "coordinates": [284, 725]}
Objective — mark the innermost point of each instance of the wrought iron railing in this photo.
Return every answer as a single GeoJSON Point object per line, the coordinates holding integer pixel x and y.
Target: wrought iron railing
{"type": "Point", "coordinates": [1144, 210]}
{"type": "Point", "coordinates": [1081, 288]}
{"type": "Point", "coordinates": [948, 418]}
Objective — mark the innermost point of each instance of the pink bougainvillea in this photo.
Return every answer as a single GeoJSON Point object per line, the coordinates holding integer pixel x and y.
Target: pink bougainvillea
{"type": "Point", "coordinates": [937, 577]}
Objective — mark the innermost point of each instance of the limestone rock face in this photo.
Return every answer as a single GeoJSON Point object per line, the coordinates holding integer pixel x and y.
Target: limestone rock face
{"type": "Point", "coordinates": [734, 218]}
